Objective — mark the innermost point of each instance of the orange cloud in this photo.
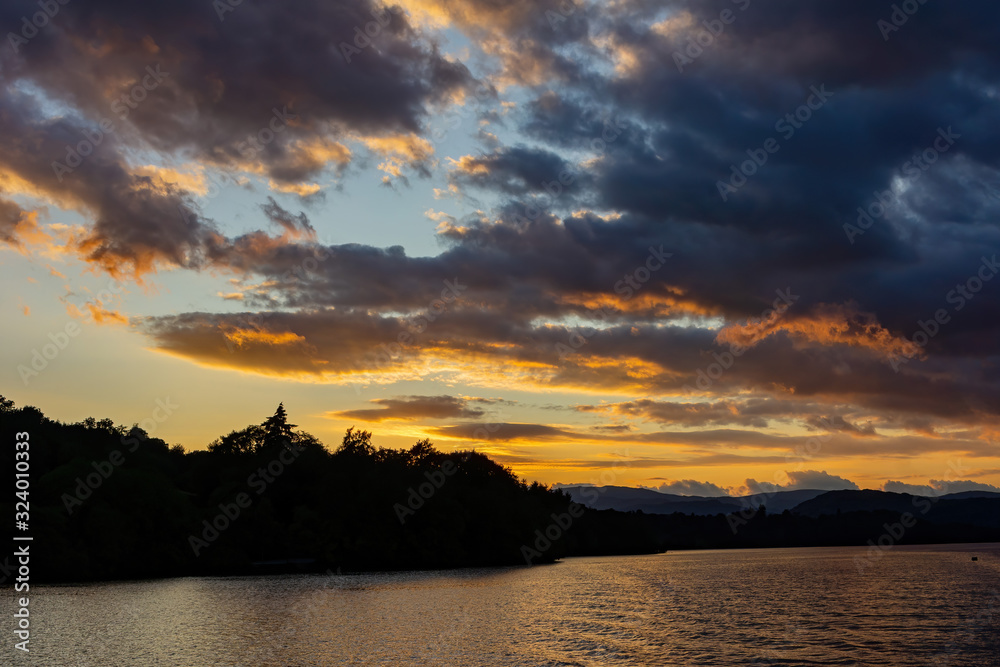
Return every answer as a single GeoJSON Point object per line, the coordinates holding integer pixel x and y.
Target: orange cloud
{"type": "Point", "coordinates": [651, 300]}
{"type": "Point", "coordinates": [25, 229]}
{"type": "Point", "coordinates": [165, 179]}
{"type": "Point", "coordinates": [241, 337]}
{"type": "Point", "coordinates": [141, 262]}
{"type": "Point", "coordinates": [469, 164]}
{"type": "Point", "coordinates": [399, 151]}
{"type": "Point", "coordinates": [300, 189]}
{"type": "Point", "coordinates": [319, 151]}
{"type": "Point", "coordinates": [101, 315]}
{"type": "Point", "coordinates": [827, 325]}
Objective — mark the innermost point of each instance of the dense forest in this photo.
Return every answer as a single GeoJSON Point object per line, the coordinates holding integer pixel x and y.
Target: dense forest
{"type": "Point", "coordinates": [111, 502]}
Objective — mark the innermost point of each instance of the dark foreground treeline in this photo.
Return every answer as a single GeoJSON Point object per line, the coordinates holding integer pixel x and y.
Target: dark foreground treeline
{"type": "Point", "coordinates": [108, 502]}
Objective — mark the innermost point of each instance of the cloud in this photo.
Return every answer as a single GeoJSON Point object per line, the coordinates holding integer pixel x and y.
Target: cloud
{"type": "Point", "coordinates": [525, 37]}
{"type": "Point", "coordinates": [18, 227]}
{"type": "Point", "coordinates": [237, 109]}
{"type": "Point", "coordinates": [838, 423]}
{"type": "Point", "coordinates": [538, 274]}
{"type": "Point", "coordinates": [937, 487]}
{"type": "Point", "coordinates": [401, 150]}
{"type": "Point", "coordinates": [800, 479]}
{"type": "Point", "coordinates": [194, 90]}
{"type": "Point", "coordinates": [502, 432]}
{"type": "Point", "coordinates": [138, 226]}
{"type": "Point", "coordinates": [101, 315]}
{"type": "Point", "coordinates": [827, 326]}
{"type": "Point", "coordinates": [409, 408]}
{"type": "Point", "coordinates": [294, 226]}
{"type": "Point", "coordinates": [613, 428]}
{"type": "Point", "coordinates": [683, 414]}
{"type": "Point", "coordinates": [518, 170]}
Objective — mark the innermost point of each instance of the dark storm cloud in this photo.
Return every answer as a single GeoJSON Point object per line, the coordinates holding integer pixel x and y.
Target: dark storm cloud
{"type": "Point", "coordinates": [663, 360]}
{"type": "Point", "coordinates": [11, 217]}
{"type": "Point", "coordinates": [538, 269]}
{"type": "Point", "coordinates": [137, 221]}
{"type": "Point", "coordinates": [882, 105]}
{"type": "Point", "coordinates": [568, 121]}
{"type": "Point", "coordinates": [680, 141]}
{"type": "Point", "coordinates": [651, 149]}
{"type": "Point", "coordinates": [534, 41]}
{"type": "Point", "coordinates": [787, 222]}
{"type": "Point", "coordinates": [518, 170]}
{"type": "Point", "coordinates": [838, 423]}
{"type": "Point", "coordinates": [263, 84]}
{"type": "Point", "coordinates": [278, 343]}
{"type": "Point", "coordinates": [535, 264]}
{"type": "Point", "coordinates": [293, 225]}
{"type": "Point", "coordinates": [796, 39]}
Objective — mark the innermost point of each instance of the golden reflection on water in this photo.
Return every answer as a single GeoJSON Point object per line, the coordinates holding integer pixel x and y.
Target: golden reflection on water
{"type": "Point", "coordinates": [781, 606]}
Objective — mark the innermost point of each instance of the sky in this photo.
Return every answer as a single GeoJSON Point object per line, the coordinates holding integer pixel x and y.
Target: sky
{"type": "Point", "coordinates": [706, 247]}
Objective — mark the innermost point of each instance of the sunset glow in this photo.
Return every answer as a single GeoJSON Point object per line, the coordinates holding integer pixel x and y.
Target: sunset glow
{"type": "Point", "coordinates": [527, 228]}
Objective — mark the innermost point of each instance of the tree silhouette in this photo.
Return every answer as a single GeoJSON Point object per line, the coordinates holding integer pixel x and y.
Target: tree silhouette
{"type": "Point", "coordinates": [274, 434]}
{"type": "Point", "coordinates": [119, 503]}
{"type": "Point", "coordinates": [356, 443]}
{"type": "Point", "coordinates": [277, 432]}
{"type": "Point", "coordinates": [421, 452]}
{"type": "Point", "coordinates": [243, 442]}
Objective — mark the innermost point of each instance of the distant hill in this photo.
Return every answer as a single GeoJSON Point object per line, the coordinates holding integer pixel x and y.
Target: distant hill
{"type": "Point", "coordinates": [628, 499]}
{"type": "Point", "coordinates": [806, 502]}
{"type": "Point", "coordinates": [622, 498]}
{"type": "Point", "coordinates": [970, 494]}
{"type": "Point", "coordinates": [813, 517]}
{"type": "Point", "coordinates": [976, 508]}
{"type": "Point", "coordinates": [865, 500]}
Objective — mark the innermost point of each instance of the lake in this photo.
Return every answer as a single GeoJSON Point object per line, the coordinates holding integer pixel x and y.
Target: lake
{"type": "Point", "coordinates": [911, 606]}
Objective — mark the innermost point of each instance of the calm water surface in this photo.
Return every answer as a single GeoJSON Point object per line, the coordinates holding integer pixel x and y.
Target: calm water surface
{"type": "Point", "coordinates": [914, 606]}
